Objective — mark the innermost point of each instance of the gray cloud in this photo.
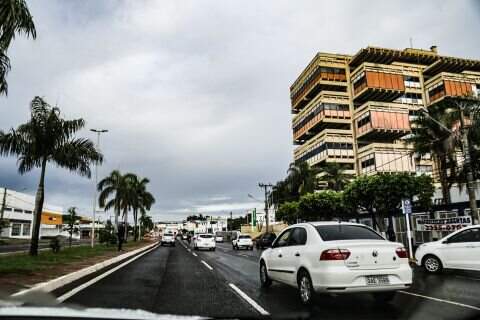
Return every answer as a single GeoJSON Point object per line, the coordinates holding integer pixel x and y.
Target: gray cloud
{"type": "Point", "coordinates": [195, 94]}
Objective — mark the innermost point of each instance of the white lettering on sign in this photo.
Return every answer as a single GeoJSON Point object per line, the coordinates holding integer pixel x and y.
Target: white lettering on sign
{"type": "Point", "coordinates": [447, 224]}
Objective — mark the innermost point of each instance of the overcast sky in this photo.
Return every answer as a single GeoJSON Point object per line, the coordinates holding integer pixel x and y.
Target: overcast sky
{"type": "Point", "coordinates": [196, 93]}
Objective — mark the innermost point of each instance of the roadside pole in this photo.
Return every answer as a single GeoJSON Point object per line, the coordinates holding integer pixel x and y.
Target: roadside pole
{"type": "Point", "coordinates": [265, 187]}
{"type": "Point", "coordinates": [407, 211]}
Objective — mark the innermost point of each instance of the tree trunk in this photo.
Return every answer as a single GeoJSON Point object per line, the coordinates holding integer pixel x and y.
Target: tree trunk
{"type": "Point", "coordinates": [442, 172]}
{"type": "Point", "coordinates": [135, 233]}
{"type": "Point", "coordinates": [125, 220]}
{"type": "Point", "coordinates": [37, 213]}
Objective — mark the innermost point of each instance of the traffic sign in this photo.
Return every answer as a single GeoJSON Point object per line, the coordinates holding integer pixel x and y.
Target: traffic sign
{"type": "Point", "coordinates": [406, 206]}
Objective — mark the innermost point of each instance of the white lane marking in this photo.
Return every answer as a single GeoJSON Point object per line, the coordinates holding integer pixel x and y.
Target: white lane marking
{"type": "Point", "coordinates": [252, 302]}
{"type": "Point", "coordinates": [206, 265]}
{"type": "Point", "coordinates": [76, 290]}
{"type": "Point", "coordinates": [189, 250]}
{"type": "Point", "coordinates": [194, 254]}
{"type": "Point", "coordinates": [441, 300]}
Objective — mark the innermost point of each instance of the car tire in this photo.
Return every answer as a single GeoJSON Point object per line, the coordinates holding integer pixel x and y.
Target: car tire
{"type": "Point", "coordinates": [305, 288]}
{"type": "Point", "coordinates": [265, 280]}
{"type": "Point", "coordinates": [432, 264]}
{"type": "Point", "coordinates": [384, 297]}
{"type": "Point", "coordinates": [213, 249]}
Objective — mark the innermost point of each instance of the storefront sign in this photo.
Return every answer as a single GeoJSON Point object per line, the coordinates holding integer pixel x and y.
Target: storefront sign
{"type": "Point", "coordinates": [447, 224]}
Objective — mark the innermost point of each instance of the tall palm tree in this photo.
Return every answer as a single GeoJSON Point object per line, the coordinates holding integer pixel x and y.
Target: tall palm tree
{"type": "Point", "coordinates": [141, 200]}
{"type": "Point", "coordinates": [71, 220]}
{"type": "Point", "coordinates": [46, 138]}
{"type": "Point", "coordinates": [429, 137]}
{"type": "Point", "coordinates": [114, 194]}
{"type": "Point", "coordinates": [302, 178]}
{"type": "Point", "coordinates": [15, 18]}
{"type": "Point", "coordinates": [335, 176]}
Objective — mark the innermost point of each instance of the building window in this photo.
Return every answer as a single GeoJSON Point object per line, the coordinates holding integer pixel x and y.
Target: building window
{"type": "Point", "coordinates": [16, 227]}
{"type": "Point", "coordinates": [436, 91]}
{"type": "Point", "coordinates": [18, 210]}
{"type": "Point", "coordinates": [363, 121]}
{"type": "Point", "coordinates": [28, 211]}
{"type": "Point", "coordinates": [411, 82]}
{"type": "Point", "coordinates": [26, 229]}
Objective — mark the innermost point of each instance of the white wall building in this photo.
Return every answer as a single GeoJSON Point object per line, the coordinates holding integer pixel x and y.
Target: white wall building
{"type": "Point", "coordinates": [18, 210]}
{"type": "Point", "coordinates": [210, 225]}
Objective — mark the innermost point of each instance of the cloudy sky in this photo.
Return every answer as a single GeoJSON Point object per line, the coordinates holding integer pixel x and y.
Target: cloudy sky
{"type": "Point", "coordinates": [196, 93]}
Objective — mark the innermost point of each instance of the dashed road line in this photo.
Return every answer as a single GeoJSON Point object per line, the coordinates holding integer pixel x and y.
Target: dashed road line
{"type": "Point", "coordinates": [194, 254]}
{"type": "Point", "coordinates": [76, 290]}
{"type": "Point", "coordinates": [252, 302]}
{"type": "Point", "coordinates": [206, 265]}
{"type": "Point", "coordinates": [441, 300]}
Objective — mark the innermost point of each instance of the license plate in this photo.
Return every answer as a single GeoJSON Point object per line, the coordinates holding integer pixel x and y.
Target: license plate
{"type": "Point", "coordinates": [377, 280]}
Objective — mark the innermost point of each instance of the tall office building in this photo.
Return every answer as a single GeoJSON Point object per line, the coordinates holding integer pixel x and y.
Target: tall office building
{"type": "Point", "coordinates": [355, 110]}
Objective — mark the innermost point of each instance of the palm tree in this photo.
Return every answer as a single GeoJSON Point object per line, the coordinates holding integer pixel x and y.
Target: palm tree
{"type": "Point", "coordinates": [146, 222]}
{"type": "Point", "coordinates": [141, 200]}
{"type": "Point", "coordinates": [71, 220]}
{"type": "Point", "coordinates": [47, 137]}
{"type": "Point", "coordinates": [429, 137]}
{"type": "Point", "coordinates": [301, 178]}
{"type": "Point", "coordinates": [335, 176]}
{"type": "Point", "coordinates": [115, 194]}
{"type": "Point", "coordinates": [15, 18]}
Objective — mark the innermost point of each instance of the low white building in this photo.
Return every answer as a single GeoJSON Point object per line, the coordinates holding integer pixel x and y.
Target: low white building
{"type": "Point", "coordinates": [210, 225]}
{"type": "Point", "coordinates": [18, 208]}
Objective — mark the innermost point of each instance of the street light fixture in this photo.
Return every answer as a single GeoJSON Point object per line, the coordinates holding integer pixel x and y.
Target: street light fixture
{"type": "Point", "coordinates": [98, 132]}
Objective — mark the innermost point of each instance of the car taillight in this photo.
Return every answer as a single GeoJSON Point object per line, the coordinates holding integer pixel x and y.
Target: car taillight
{"type": "Point", "coordinates": [401, 252]}
{"type": "Point", "coordinates": [335, 254]}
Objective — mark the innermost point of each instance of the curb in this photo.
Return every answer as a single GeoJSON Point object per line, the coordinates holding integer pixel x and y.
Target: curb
{"type": "Point", "coordinates": [59, 282]}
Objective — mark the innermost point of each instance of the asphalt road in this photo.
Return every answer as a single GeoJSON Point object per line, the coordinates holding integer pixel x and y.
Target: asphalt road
{"type": "Point", "coordinates": [178, 280]}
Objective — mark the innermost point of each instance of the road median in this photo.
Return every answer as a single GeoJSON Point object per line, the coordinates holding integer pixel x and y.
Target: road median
{"type": "Point", "coordinates": [48, 271]}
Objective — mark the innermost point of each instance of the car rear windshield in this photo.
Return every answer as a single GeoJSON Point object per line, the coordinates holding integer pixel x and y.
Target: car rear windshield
{"type": "Point", "coordinates": [346, 232]}
{"type": "Point", "coordinates": [244, 237]}
{"type": "Point", "coordinates": [169, 234]}
{"type": "Point", "coordinates": [206, 236]}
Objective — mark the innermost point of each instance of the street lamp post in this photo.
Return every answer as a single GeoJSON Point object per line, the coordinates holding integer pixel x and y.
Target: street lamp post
{"type": "Point", "coordinates": [98, 132]}
{"type": "Point", "coordinates": [265, 187]}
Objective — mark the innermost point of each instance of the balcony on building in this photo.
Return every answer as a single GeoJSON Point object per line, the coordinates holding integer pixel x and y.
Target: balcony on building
{"type": "Point", "coordinates": [330, 145]}
{"type": "Point", "coordinates": [445, 85]}
{"type": "Point", "coordinates": [326, 72]}
{"type": "Point", "coordinates": [327, 110]}
{"type": "Point", "coordinates": [382, 121]}
{"type": "Point", "coordinates": [386, 158]}
{"type": "Point", "coordinates": [377, 83]}
{"type": "Point", "coordinates": [451, 65]}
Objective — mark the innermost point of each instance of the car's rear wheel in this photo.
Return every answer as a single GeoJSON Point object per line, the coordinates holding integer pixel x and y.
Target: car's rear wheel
{"type": "Point", "coordinates": [305, 287]}
{"type": "Point", "coordinates": [265, 280]}
{"type": "Point", "coordinates": [432, 264]}
{"type": "Point", "coordinates": [384, 297]}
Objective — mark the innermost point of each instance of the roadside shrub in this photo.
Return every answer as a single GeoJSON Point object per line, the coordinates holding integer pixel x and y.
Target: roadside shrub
{"type": "Point", "coordinates": [55, 244]}
{"type": "Point", "coordinates": [107, 237]}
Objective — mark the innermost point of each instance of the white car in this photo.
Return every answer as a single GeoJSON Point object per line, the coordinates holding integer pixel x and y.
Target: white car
{"type": "Point", "coordinates": [204, 241]}
{"type": "Point", "coordinates": [243, 241]}
{"type": "Point", "coordinates": [168, 238]}
{"type": "Point", "coordinates": [458, 250]}
{"type": "Point", "coordinates": [218, 238]}
{"type": "Point", "coordinates": [333, 257]}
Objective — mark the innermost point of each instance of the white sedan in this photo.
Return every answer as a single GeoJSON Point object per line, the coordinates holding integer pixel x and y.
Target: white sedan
{"type": "Point", "coordinates": [204, 241]}
{"type": "Point", "coordinates": [333, 257]}
{"type": "Point", "coordinates": [458, 250]}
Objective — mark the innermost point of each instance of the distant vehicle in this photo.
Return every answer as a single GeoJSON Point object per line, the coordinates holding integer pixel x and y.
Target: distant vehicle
{"type": "Point", "coordinates": [168, 238]}
{"type": "Point", "coordinates": [184, 236]}
{"type": "Point", "coordinates": [204, 241]}
{"type": "Point", "coordinates": [265, 240]}
{"type": "Point", "coordinates": [243, 241]}
{"type": "Point", "coordinates": [218, 238]}
{"type": "Point", "coordinates": [458, 250]}
{"type": "Point", "coordinates": [333, 257]}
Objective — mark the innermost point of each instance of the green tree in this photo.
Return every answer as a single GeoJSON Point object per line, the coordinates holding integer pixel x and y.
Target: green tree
{"type": "Point", "coordinates": [71, 220]}
{"type": "Point", "coordinates": [334, 174]}
{"type": "Point", "coordinates": [46, 138]}
{"type": "Point", "coordinates": [146, 223]}
{"type": "Point", "coordinates": [429, 136]}
{"type": "Point", "coordinates": [288, 212]}
{"type": "Point", "coordinates": [141, 200]}
{"type": "Point", "coordinates": [115, 194]}
{"type": "Point", "coordinates": [15, 18]}
{"type": "Point", "coordinates": [324, 205]}
{"type": "Point", "coordinates": [301, 179]}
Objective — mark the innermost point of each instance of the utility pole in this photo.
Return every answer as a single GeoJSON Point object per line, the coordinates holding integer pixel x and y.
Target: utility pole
{"type": "Point", "coordinates": [98, 132]}
{"type": "Point", "coordinates": [468, 168]}
{"type": "Point", "coordinates": [265, 187]}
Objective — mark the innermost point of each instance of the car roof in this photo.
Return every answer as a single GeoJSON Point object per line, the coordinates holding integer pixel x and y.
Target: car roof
{"type": "Point", "coordinates": [327, 223]}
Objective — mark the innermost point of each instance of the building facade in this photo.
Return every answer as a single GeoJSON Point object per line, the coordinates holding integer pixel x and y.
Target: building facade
{"type": "Point", "coordinates": [356, 110]}
{"type": "Point", "coordinates": [18, 211]}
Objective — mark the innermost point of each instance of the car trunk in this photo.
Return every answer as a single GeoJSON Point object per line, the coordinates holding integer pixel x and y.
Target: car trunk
{"type": "Point", "coordinates": [371, 254]}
